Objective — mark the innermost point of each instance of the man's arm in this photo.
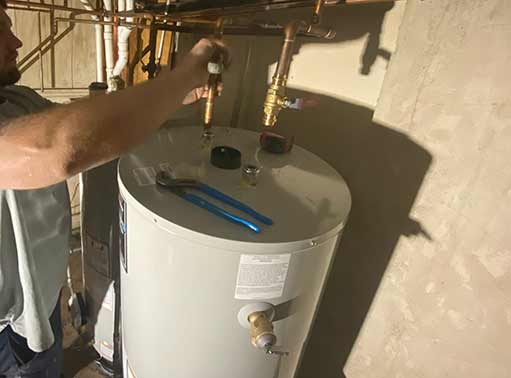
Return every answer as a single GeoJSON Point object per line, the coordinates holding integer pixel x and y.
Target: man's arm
{"type": "Point", "coordinates": [43, 149]}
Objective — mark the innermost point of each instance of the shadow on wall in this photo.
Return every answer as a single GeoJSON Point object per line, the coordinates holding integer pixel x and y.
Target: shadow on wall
{"type": "Point", "coordinates": [384, 170]}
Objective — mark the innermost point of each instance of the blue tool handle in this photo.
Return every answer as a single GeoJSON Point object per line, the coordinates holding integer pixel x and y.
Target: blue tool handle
{"type": "Point", "coordinates": [196, 200]}
{"type": "Point", "coordinates": [234, 203]}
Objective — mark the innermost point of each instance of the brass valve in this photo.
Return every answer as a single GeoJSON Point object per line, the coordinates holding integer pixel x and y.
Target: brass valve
{"type": "Point", "coordinates": [275, 101]}
{"type": "Point", "coordinates": [276, 98]}
{"type": "Point", "coordinates": [261, 331]}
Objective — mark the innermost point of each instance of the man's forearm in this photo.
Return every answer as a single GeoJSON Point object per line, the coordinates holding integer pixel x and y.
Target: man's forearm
{"type": "Point", "coordinates": [46, 148]}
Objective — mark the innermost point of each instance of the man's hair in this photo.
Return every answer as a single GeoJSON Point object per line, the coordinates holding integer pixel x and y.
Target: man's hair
{"type": "Point", "coordinates": [3, 4]}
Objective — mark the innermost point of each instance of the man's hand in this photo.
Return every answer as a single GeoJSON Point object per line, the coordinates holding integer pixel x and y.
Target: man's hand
{"type": "Point", "coordinates": [201, 54]}
{"type": "Point", "coordinates": [198, 58]}
{"type": "Point", "coordinates": [200, 93]}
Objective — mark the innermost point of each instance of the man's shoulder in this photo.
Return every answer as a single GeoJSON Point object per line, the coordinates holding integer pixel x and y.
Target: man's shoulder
{"type": "Point", "coordinates": [24, 91]}
{"type": "Point", "coordinates": [25, 94]}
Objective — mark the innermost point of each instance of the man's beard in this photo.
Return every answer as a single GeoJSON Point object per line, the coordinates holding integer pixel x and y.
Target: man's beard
{"type": "Point", "coordinates": [9, 76]}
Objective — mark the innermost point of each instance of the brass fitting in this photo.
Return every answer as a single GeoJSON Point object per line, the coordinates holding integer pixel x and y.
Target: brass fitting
{"type": "Point", "coordinates": [276, 95]}
{"type": "Point", "coordinates": [275, 100]}
{"type": "Point", "coordinates": [261, 331]}
{"type": "Point", "coordinates": [210, 101]}
{"type": "Point", "coordinates": [215, 68]}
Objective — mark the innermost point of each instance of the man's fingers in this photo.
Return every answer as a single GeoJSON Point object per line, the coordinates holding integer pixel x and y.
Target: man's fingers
{"type": "Point", "coordinates": [220, 48]}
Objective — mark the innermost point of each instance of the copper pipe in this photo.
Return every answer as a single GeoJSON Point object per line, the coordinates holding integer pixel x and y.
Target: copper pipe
{"type": "Point", "coordinates": [24, 67]}
{"type": "Point", "coordinates": [194, 24]}
{"type": "Point", "coordinates": [213, 81]}
{"type": "Point", "coordinates": [290, 32]}
{"type": "Point", "coordinates": [29, 6]}
{"type": "Point", "coordinates": [316, 15]}
{"type": "Point", "coordinates": [37, 6]}
{"type": "Point", "coordinates": [254, 29]}
{"type": "Point", "coordinates": [33, 52]}
{"type": "Point", "coordinates": [208, 109]}
{"type": "Point", "coordinates": [25, 9]}
{"type": "Point", "coordinates": [276, 95]}
{"type": "Point", "coordinates": [251, 8]}
{"type": "Point", "coordinates": [41, 49]}
{"type": "Point", "coordinates": [197, 16]}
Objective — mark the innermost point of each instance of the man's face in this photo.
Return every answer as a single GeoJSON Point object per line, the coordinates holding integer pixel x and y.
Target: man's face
{"type": "Point", "coordinates": [9, 45]}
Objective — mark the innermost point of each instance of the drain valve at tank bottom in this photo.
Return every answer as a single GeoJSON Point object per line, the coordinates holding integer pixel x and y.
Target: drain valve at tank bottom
{"type": "Point", "coordinates": [261, 333]}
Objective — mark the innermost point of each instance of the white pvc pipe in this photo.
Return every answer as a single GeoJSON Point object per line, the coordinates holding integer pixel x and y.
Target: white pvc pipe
{"type": "Point", "coordinates": [109, 43]}
{"type": "Point", "coordinates": [100, 53]}
{"type": "Point", "coordinates": [123, 38]}
{"type": "Point", "coordinates": [100, 50]}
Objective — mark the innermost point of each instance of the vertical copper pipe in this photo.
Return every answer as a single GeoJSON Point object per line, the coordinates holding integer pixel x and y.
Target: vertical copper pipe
{"type": "Point", "coordinates": [290, 32]}
{"type": "Point", "coordinates": [316, 16]}
{"type": "Point", "coordinates": [213, 81]}
{"type": "Point", "coordinates": [275, 96]}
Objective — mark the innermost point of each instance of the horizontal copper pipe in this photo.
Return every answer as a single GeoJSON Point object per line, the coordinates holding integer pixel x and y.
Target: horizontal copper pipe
{"type": "Point", "coordinates": [25, 9]}
{"type": "Point", "coordinates": [42, 6]}
{"type": "Point", "coordinates": [251, 29]}
{"type": "Point", "coordinates": [202, 16]}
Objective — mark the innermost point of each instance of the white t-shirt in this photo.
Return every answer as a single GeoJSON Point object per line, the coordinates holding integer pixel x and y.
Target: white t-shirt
{"type": "Point", "coordinates": [35, 230]}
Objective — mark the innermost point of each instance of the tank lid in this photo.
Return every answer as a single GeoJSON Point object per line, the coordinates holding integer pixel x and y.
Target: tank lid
{"type": "Point", "coordinates": [303, 195]}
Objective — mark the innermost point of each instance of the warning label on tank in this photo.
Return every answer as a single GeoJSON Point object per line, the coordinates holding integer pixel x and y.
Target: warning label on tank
{"type": "Point", "coordinates": [261, 276]}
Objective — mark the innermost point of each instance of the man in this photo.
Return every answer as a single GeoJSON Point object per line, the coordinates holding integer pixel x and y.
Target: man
{"type": "Point", "coordinates": [39, 149]}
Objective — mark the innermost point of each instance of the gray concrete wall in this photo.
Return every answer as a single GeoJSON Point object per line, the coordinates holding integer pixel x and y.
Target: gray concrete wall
{"type": "Point", "coordinates": [443, 307]}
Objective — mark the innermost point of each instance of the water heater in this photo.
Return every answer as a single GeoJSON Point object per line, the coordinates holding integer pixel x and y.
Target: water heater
{"type": "Point", "coordinates": [204, 297]}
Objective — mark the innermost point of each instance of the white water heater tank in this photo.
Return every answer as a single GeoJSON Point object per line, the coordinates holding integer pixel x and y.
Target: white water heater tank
{"type": "Point", "coordinates": [192, 281]}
